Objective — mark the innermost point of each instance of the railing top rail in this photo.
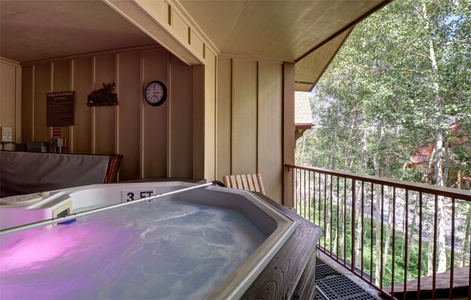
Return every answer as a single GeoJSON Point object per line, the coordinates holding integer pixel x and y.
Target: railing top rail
{"type": "Point", "coordinates": [419, 187]}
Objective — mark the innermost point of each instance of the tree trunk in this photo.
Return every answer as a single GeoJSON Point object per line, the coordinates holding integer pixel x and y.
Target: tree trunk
{"type": "Point", "coordinates": [410, 238]}
{"type": "Point", "coordinates": [332, 161]}
{"type": "Point", "coordinates": [441, 245]}
{"type": "Point", "coordinates": [467, 237]}
{"type": "Point", "coordinates": [359, 225]}
{"type": "Point", "coordinates": [349, 151]}
{"type": "Point", "coordinates": [387, 203]}
{"type": "Point", "coordinates": [302, 161]}
{"type": "Point", "coordinates": [446, 167]}
{"type": "Point", "coordinates": [378, 209]}
{"type": "Point", "coordinates": [438, 167]}
{"type": "Point", "coordinates": [358, 229]}
{"type": "Point", "coordinates": [364, 152]}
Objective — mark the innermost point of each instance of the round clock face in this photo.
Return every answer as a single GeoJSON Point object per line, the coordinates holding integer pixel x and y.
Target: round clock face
{"type": "Point", "coordinates": [155, 93]}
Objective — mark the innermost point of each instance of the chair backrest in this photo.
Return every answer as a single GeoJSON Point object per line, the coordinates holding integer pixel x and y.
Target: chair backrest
{"type": "Point", "coordinates": [251, 182]}
{"type": "Point", "coordinates": [113, 168]}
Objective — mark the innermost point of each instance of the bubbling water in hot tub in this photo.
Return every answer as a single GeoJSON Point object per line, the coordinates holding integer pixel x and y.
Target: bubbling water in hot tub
{"type": "Point", "coordinates": [163, 249]}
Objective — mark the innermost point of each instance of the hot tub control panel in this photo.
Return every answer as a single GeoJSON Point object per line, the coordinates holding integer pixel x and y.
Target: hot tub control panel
{"type": "Point", "coordinates": [24, 200]}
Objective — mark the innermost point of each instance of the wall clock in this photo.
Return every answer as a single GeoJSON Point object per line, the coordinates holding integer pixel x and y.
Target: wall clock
{"type": "Point", "coordinates": [155, 93]}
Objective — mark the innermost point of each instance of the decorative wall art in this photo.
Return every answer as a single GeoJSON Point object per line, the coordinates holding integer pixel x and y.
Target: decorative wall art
{"type": "Point", "coordinates": [104, 96]}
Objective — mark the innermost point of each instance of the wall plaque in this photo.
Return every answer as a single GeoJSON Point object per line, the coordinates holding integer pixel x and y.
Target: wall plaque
{"type": "Point", "coordinates": [60, 108]}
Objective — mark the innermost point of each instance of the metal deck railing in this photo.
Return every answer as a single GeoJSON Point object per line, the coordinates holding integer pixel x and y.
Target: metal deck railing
{"type": "Point", "coordinates": [405, 239]}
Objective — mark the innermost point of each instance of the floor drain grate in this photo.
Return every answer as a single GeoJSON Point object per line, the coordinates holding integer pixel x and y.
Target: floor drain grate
{"type": "Point", "coordinates": [324, 270]}
{"type": "Point", "coordinates": [341, 287]}
{"type": "Point", "coordinates": [333, 285]}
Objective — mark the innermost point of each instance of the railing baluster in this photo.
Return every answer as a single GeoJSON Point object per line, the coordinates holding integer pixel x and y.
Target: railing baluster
{"type": "Point", "coordinates": [393, 238]}
{"type": "Point", "coordinates": [325, 205]}
{"type": "Point", "coordinates": [419, 267]}
{"type": "Point", "coordinates": [353, 222]}
{"type": "Point", "coordinates": [362, 225]}
{"type": "Point", "coordinates": [309, 196]}
{"type": "Point", "coordinates": [296, 183]}
{"type": "Point", "coordinates": [371, 232]}
{"type": "Point", "coordinates": [319, 185]}
{"type": "Point", "coordinates": [330, 214]}
{"type": "Point", "coordinates": [381, 270]}
{"type": "Point", "coordinates": [313, 195]}
{"type": "Point", "coordinates": [345, 221]}
{"type": "Point", "coordinates": [406, 239]}
{"type": "Point", "coordinates": [337, 223]}
{"type": "Point", "coordinates": [452, 258]}
{"type": "Point", "coordinates": [337, 217]}
{"type": "Point", "coordinates": [434, 262]}
{"type": "Point", "coordinates": [469, 268]}
{"type": "Point", "coordinates": [304, 193]}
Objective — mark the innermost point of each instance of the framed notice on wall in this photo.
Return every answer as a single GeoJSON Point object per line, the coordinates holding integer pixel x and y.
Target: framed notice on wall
{"type": "Point", "coordinates": [60, 108]}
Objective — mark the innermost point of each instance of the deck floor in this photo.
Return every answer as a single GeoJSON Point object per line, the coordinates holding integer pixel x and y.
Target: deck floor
{"type": "Point", "coordinates": [461, 282]}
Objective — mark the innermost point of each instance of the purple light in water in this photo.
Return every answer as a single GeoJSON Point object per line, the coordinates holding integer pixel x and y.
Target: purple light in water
{"type": "Point", "coordinates": [36, 246]}
{"type": "Point", "coordinates": [57, 261]}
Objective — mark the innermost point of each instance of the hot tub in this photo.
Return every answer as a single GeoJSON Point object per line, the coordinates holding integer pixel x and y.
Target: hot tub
{"type": "Point", "coordinates": [127, 245]}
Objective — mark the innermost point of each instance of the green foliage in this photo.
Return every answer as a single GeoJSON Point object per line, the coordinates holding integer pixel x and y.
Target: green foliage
{"type": "Point", "coordinates": [403, 74]}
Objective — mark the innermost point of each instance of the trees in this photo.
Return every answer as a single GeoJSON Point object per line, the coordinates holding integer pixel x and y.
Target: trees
{"type": "Point", "coordinates": [401, 82]}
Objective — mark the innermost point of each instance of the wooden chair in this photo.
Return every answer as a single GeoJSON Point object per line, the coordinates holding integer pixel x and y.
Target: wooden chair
{"type": "Point", "coordinates": [113, 168]}
{"type": "Point", "coordinates": [250, 182]}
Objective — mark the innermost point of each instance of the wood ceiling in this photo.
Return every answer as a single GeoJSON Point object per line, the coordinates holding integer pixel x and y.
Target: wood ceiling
{"type": "Point", "coordinates": [308, 32]}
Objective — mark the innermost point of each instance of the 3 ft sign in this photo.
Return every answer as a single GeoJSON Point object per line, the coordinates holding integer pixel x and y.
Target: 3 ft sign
{"type": "Point", "coordinates": [136, 194]}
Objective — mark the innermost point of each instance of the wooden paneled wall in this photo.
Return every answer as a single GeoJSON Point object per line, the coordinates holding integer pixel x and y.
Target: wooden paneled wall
{"type": "Point", "coordinates": [155, 141]}
{"type": "Point", "coordinates": [10, 98]}
{"type": "Point", "coordinates": [250, 121]}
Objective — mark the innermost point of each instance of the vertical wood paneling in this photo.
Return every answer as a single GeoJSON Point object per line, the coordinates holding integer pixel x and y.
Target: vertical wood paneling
{"type": "Point", "coordinates": [288, 130]}
{"type": "Point", "coordinates": [10, 99]}
{"type": "Point", "coordinates": [83, 86]}
{"type": "Point", "coordinates": [181, 120]}
{"type": "Point", "coordinates": [154, 119]}
{"type": "Point", "coordinates": [19, 105]}
{"type": "Point", "coordinates": [250, 121]}
{"type": "Point", "coordinates": [129, 114]}
{"type": "Point", "coordinates": [105, 116]}
{"type": "Point", "coordinates": [270, 155]}
{"type": "Point", "coordinates": [61, 78]}
{"type": "Point", "coordinates": [60, 83]}
{"type": "Point", "coordinates": [27, 92]}
{"type": "Point", "coordinates": [244, 117]}
{"type": "Point", "coordinates": [198, 121]}
{"type": "Point", "coordinates": [42, 86]}
{"type": "Point", "coordinates": [224, 117]}
{"type": "Point", "coordinates": [210, 116]}
{"type": "Point", "coordinates": [8, 92]}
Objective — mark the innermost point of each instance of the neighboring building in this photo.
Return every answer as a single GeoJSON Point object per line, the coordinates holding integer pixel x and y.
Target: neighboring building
{"type": "Point", "coordinates": [457, 138]}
